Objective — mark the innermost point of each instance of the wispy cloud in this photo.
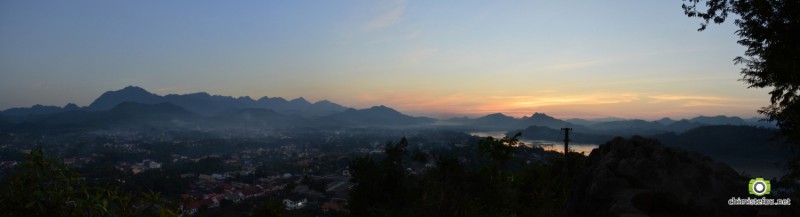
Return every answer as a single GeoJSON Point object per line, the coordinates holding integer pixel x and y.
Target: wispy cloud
{"type": "Point", "coordinates": [574, 65]}
{"type": "Point", "coordinates": [388, 17]}
{"type": "Point", "coordinates": [712, 104]}
{"type": "Point", "coordinates": [661, 98]}
{"type": "Point", "coordinates": [416, 55]}
{"type": "Point", "coordinates": [691, 101]}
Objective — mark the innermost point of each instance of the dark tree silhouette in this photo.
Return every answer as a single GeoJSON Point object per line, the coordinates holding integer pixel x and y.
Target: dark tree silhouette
{"type": "Point", "coordinates": [770, 29]}
{"type": "Point", "coordinates": [43, 186]}
{"type": "Point", "coordinates": [492, 180]}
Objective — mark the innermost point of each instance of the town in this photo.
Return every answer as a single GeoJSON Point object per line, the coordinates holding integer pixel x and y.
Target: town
{"type": "Point", "coordinates": [305, 170]}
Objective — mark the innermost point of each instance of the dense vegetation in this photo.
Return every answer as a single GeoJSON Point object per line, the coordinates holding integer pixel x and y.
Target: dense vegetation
{"type": "Point", "coordinates": [497, 180]}
{"type": "Point", "coordinates": [43, 186]}
{"type": "Point", "coordinates": [769, 30]}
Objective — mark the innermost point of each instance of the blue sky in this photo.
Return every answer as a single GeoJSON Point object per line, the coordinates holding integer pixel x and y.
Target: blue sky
{"type": "Point", "coordinates": [633, 59]}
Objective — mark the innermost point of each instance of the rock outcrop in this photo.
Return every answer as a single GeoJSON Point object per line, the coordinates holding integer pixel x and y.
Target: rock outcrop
{"type": "Point", "coordinates": [641, 177]}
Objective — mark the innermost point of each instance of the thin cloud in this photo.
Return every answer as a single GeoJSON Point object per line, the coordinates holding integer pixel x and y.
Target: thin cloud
{"type": "Point", "coordinates": [712, 104]}
{"type": "Point", "coordinates": [574, 65]}
{"type": "Point", "coordinates": [417, 55]}
{"type": "Point", "coordinates": [390, 17]}
{"type": "Point", "coordinates": [660, 98]}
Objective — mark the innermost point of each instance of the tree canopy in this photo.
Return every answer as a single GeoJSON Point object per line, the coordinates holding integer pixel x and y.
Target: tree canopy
{"type": "Point", "coordinates": [43, 186]}
{"type": "Point", "coordinates": [770, 29]}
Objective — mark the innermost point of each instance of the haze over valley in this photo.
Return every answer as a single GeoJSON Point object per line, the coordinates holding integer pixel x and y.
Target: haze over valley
{"type": "Point", "coordinates": [397, 108]}
{"type": "Point", "coordinates": [135, 110]}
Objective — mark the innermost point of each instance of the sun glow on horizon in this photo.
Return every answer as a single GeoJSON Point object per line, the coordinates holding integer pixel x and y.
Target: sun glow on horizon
{"type": "Point", "coordinates": [598, 59]}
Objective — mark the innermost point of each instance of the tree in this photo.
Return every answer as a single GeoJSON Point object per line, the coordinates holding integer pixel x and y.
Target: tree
{"type": "Point", "coordinates": [770, 29]}
{"type": "Point", "coordinates": [42, 186]}
{"type": "Point", "coordinates": [270, 208]}
{"type": "Point", "coordinates": [382, 187]}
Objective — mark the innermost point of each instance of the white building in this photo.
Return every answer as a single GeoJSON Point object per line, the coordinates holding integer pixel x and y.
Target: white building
{"type": "Point", "coordinates": [290, 205]}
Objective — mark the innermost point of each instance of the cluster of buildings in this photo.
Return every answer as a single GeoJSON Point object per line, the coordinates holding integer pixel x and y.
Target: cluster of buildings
{"type": "Point", "coordinates": [210, 192]}
{"type": "Point", "coordinates": [138, 167]}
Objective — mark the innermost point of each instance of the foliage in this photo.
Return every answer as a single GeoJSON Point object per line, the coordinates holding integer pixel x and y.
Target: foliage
{"type": "Point", "coordinates": [42, 186]}
{"type": "Point", "coordinates": [770, 29]}
{"type": "Point", "coordinates": [382, 185]}
{"type": "Point", "coordinates": [503, 184]}
{"type": "Point", "coordinates": [270, 208]}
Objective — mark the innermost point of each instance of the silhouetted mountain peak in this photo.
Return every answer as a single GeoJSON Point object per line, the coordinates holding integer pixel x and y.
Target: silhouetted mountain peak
{"type": "Point", "coordinates": [301, 101]}
{"type": "Point", "coordinates": [541, 116]}
{"type": "Point", "coordinates": [324, 102]}
{"type": "Point", "coordinates": [379, 116]}
{"type": "Point", "coordinates": [382, 109]}
{"type": "Point", "coordinates": [110, 99]}
{"type": "Point", "coordinates": [719, 120]}
{"type": "Point", "coordinates": [131, 88]}
{"type": "Point", "coordinates": [328, 105]}
{"type": "Point", "coordinates": [199, 95]}
{"type": "Point", "coordinates": [665, 121]}
{"type": "Point", "coordinates": [272, 100]}
{"type": "Point", "coordinates": [71, 106]}
{"type": "Point", "coordinates": [496, 116]}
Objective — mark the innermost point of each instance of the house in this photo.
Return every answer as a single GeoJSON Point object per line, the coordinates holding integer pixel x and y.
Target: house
{"type": "Point", "coordinates": [234, 196]}
{"type": "Point", "coordinates": [7, 164]}
{"type": "Point", "coordinates": [154, 165]}
{"type": "Point", "coordinates": [136, 169]}
{"type": "Point", "coordinates": [216, 199]}
{"type": "Point", "coordinates": [332, 206]}
{"type": "Point", "coordinates": [191, 208]}
{"type": "Point", "coordinates": [204, 177]}
{"type": "Point", "coordinates": [252, 191]}
{"type": "Point", "coordinates": [292, 205]}
{"type": "Point", "coordinates": [69, 161]}
{"type": "Point", "coordinates": [218, 176]}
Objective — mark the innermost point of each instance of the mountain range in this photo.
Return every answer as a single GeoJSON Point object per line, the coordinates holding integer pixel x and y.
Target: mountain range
{"type": "Point", "coordinates": [134, 106]}
{"type": "Point", "coordinates": [206, 104]}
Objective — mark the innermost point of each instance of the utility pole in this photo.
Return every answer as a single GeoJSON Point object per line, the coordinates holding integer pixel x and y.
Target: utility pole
{"type": "Point", "coordinates": [566, 147]}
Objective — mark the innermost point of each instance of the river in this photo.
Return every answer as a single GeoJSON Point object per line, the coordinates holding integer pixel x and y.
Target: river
{"type": "Point", "coordinates": [548, 145]}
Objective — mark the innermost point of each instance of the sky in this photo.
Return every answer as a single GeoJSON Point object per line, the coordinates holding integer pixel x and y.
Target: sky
{"type": "Point", "coordinates": [569, 59]}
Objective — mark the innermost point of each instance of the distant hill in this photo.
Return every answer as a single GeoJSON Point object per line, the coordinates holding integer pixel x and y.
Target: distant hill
{"type": "Point", "coordinates": [40, 110]}
{"type": "Point", "coordinates": [754, 150]}
{"type": "Point", "coordinates": [729, 139]}
{"type": "Point", "coordinates": [604, 126]}
{"type": "Point", "coordinates": [124, 115]}
{"type": "Point", "coordinates": [500, 121]}
{"type": "Point", "coordinates": [168, 116]}
{"type": "Point", "coordinates": [585, 122]}
{"type": "Point", "coordinates": [665, 121]}
{"type": "Point", "coordinates": [260, 118]}
{"type": "Point", "coordinates": [493, 121]}
{"type": "Point", "coordinates": [719, 120]}
{"type": "Point", "coordinates": [300, 112]}
{"type": "Point", "coordinates": [200, 103]}
{"type": "Point", "coordinates": [541, 119]}
{"type": "Point", "coordinates": [111, 99]}
{"type": "Point", "coordinates": [378, 116]}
